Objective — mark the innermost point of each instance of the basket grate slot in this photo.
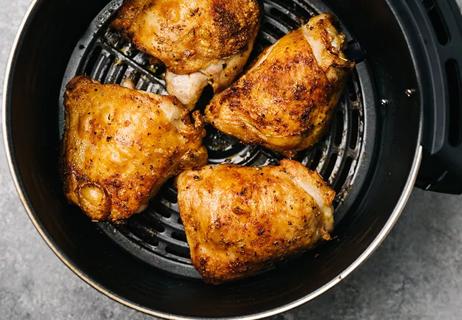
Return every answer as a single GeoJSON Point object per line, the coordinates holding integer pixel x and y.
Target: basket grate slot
{"type": "Point", "coordinates": [437, 20]}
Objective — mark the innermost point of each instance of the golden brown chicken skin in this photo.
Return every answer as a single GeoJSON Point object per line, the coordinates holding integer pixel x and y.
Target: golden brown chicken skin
{"type": "Point", "coordinates": [240, 219]}
{"type": "Point", "coordinates": [200, 42]}
{"type": "Point", "coordinates": [121, 145]}
{"type": "Point", "coordinates": [285, 101]}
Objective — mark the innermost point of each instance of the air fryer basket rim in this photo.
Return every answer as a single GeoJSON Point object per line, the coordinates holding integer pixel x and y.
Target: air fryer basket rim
{"type": "Point", "coordinates": [7, 140]}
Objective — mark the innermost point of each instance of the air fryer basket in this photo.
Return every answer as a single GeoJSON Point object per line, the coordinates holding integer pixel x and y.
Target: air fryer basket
{"type": "Point", "coordinates": [371, 155]}
{"type": "Point", "coordinates": [157, 236]}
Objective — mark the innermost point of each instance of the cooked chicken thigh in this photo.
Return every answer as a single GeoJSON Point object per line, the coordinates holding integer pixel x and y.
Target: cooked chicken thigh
{"type": "Point", "coordinates": [285, 101]}
{"type": "Point", "coordinates": [121, 145]}
{"type": "Point", "coordinates": [201, 42]}
{"type": "Point", "coordinates": [240, 219]}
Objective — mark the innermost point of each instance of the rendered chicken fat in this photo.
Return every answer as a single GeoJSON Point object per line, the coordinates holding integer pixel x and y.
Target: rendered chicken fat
{"type": "Point", "coordinates": [240, 219]}
{"type": "Point", "coordinates": [122, 144]}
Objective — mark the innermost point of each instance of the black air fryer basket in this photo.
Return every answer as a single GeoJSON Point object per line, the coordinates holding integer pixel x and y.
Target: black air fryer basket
{"type": "Point", "coordinates": [399, 123]}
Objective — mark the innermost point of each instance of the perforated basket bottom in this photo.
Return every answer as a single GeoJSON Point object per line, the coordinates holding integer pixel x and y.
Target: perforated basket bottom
{"type": "Point", "coordinates": [157, 235]}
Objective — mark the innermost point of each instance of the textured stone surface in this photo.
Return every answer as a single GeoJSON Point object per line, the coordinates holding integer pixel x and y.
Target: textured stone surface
{"type": "Point", "coordinates": [415, 274]}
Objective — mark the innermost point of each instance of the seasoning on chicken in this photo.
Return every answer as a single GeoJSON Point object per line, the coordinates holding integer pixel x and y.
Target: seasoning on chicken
{"type": "Point", "coordinates": [240, 219]}
{"type": "Point", "coordinates": [285, 101]}
{"type": "Point", "coordinates": [121, 145]}
{"type": "Point", "coordinates": [201, 42]}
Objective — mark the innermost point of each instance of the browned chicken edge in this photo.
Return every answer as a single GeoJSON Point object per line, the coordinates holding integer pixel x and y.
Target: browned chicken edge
{"type": "Point", "coordinates": [239, 220]}
{"type": "Point", "coordinates": [286, 100]}
{"type": "Point", "coordinates": [121, 145]}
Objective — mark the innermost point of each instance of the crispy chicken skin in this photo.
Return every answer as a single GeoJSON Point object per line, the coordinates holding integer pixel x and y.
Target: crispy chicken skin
{"type": "Point", "coordinates": [285, 101]}
{"type": "Point", "coordinates": [200, 42]}
{"type": "Point", "coordinates": [240, 219]}
{"type": "Point", "coordinates": [121, 145]}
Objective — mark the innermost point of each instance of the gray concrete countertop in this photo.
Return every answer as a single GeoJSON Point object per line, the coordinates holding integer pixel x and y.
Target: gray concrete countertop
{"type": "Point", "coordinates": [415, 274]}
